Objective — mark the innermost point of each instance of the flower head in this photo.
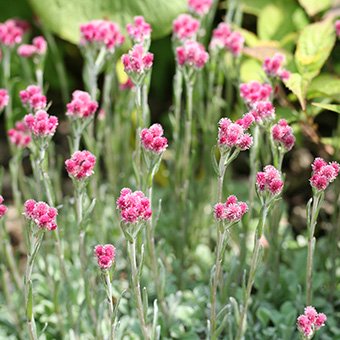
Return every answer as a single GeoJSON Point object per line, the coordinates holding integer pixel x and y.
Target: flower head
{"type": "Point", "coordinates": [4, 98]}
{"type": "Point", "coordinates": [274, 67]}
{"type": "Point", "coordinates": [12, 31]}
{"type": "Point", "coordinates": [41, 214]}
{"type": "Point", "coordinates": [140, 30]}
{"type": "Point", "coordinates": [3, 208]}
{"type": "Point", "coordinates": [263, 111]}
{"type": "Point", "coordinates": [185, 27]}
{"type": "Point", "coordinates": [81, 106]}
{"type": "Point", "coordinates": [20, 135]}
{"type": "Point", "coordinates": [152, 139]}
{"type": "Point", "coordinates": [80, 165]}
{"type": "Point", "coordinates": [41, 124]}
{"type": "Point", "coordinates": [38, 47]}
{"type": "Point", "coordinates": [192, 54]}
{"type": "Point", "coordinates": [105, 255]}
{"type": "Point", "coordinates": [200, 7]}
{"type": "Point", "coordinates": [282, 134]}
{"type": "Point", "coordinates": [323, 173]}
{"type": "Point", "coordinates": [33, 98]}
{"type": "Point", "coordinates": [337, 28]}
{"type": "Point", "coordinates": [311, 321]}
{"type": "Point", "coordinates": [254, 91]}
{"type": "Point", "coordinates": [133, 206]}
{"type": "Point", "coordinates": [269, 180]}
{"type": "Point", "coordinates": [230, 211]}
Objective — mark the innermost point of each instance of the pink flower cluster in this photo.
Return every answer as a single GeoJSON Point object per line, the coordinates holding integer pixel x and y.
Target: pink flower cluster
{"type": "Point", "coordinates": [200, 7]}
{"type": "Point", "coordinates": [41, 124]}
{"type": "Point", "coordinates": [41, 214]}
{"type": "Point", "coordinates": [337, 28]}
{"type": "Point", "coordinates": [140, 30]}
{"type": "Point", "coordinates": [4, 98]}
{"type": "Point", "coordinates": [263, 111]}
{"type": "Point", "coordinates": [185, 27]}
{"type": "Point", "coordinates": [254, 91]}
{"type": "Point", "coordinates": [223, 37]}
{"type": "Point", "coordinates": [231, 211]}
{"type": "Point", "coordinates": [105, 255]}
{"type": "Point", "coordinates": [269, 180]}
{"type": "Point", "coordinates": [20, 135]}
{"type": "Point", "coordinates": [133, 206]}
{"type": "Point", "coordinates": [233, 134]}
{"type": "Point", "coordinates": [33, 97]}
{"type": "Point", "coordinates": [323, 173]}
{"type": "Point", "coordinates": [310, 321]}
{"type": "Point", "coordinates": [101, 32]}
{"type": "Point", "coordinates": [137, 61]}
{"type": "Point", "coordinates": [152, 139]}
{"type": "Point", "coordinates": [80, 165]}
{"type": "Point", "coordinates": [12, 31]}
{"type": "Point", "coordinates": [3, 208]}
{"type": "Point", "coordinates": [282, 133]}
{"type": "Point", "coordinates": [273, 67]}
{"type": "Point", "coordinates": [192, 54]}
{"type": "Point", "coordinates": [38, 47]}
{"type": "Point", "coordinates": [81, 106]}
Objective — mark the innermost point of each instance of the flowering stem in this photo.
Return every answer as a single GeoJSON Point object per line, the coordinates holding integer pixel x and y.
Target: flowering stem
{"type": "Point", "coordinates": [110, 302]}
{"type": "Point", "coordinates": [139, 120]}
{"type": "Point", "coordinates": [6, 63]}
{"type": "Point", "coordinates": [178, 88]}
{"type": "Point", "coordinates": [254, 151]}
{"type": "Point", "coordinates": [39, 76]}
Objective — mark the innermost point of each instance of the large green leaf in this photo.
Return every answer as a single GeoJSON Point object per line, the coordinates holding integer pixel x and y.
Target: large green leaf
{"type": "Point", "coordinates": [314, 46]}
{"type": "Point", "coordinates": [313, 7]}
{"type": "Point", "coordinates": [329, 107]}
{"type": "Point", "coordinates": [298, 86]}
{"type": "Point", "coordinates": [63, 17]}
{"type": "Point", "coordinates": [324, 85]}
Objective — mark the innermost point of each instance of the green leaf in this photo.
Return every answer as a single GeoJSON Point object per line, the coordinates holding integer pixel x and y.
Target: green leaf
{"type": "Point", "coordinates": [299, 87]}
{"type": "Point", "coordinates": [313, 7]}
{"type": "Point", "coordinates": [329, 107]}
{"type": "Point", "coordinates": [63, 17]}
{"type": "Point", "coordinates": [251, 69]}
{"type": "Point", "coordinates": [314, 46]}
{"type": "Point", "coordinates": [254, 6]}
{"type": "Point", "coordinates": [325, 85]}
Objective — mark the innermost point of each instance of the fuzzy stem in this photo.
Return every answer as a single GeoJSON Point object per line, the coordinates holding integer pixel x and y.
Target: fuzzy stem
{"type": "Point", "coordinates": [110, 302]}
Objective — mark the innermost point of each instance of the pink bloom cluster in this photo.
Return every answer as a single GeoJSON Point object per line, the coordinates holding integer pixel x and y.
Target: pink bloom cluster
{"type": "Point", "coordinates": [185, 27]}
{"type": "Point", "coordinates": [337, 28]}
{"type": "Point", "coordinates": [105, 255]}
{"type": "Point", "coordinates": [140, 30]}
{"type": "Point", "coordinates": [20, 135]}
{"type": "Point", "coordinates": [223, 37]}
{"type": "Point", "coordinates": [33, 98]}
{"type": "Point", "coordinates": [282, 133]}
{"type": "Point", "coordinates": [269, 180]}
{"type": "Point", "coordinates": [233, 134]}
{"type": "Point", "coordinates": [152, 139]}
{"type": "Point", "coordinates": [81, 106]}
{"type": "Point", "coordinates": [192, 54]}
{"type": "Point", "coordinates": [323, 173]}
{"type": "Point", "coordinates": [310, 321]}
{"type": "Point", "coordinates": [200, 7]}
{"type": "Point", "coordinates": [231, 211]}
{"type": "Point", "coordinates": [254, 91]}
{"type": "Point", "coordinates": [263, 111]}
{"type": "Point", "coordinates": [41, 214]}
{"type": "Point", "coordinates": [137, 61]}
{"type": "Point", "coordinates": [80, 165]}
{"type": "Point", "coordinates": [101, 32]}
{"type": "Point", "coordinates": [3, 208]}
{"type": "Point", "coordinates": [133, 206]}
{"type": "Point", "coordinates": [41, 124]}
{"type": "Point", "coordinates": [12, 31]}
{"type": "Point", "coordinates": [38, 47]}
{"type": "Point", "coordinates": [4, 98]}
{"type": "Point", "coordinates": [273, 67]}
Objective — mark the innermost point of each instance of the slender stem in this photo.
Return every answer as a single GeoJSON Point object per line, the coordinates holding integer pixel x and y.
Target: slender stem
{"type": "Point", "coordinates": [178, 89]}
{"type": "Point", "coordinates": [110, 302]}
{"type": "Point", "coordinates": [139, 120]}
{"type": "Point", "coordinates": [254, 167]}
{"type": "Point", "coordinates": [40, 77]}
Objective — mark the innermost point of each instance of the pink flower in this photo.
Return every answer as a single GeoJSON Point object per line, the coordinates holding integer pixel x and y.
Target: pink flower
{"type": "Point", "coordinates": [38, 47]}
{"type": "Point", "coordinates": [282, 134]}
{"type": "Point", "coordinates": [200, 7]}
{"type": "Point", "coordinates": [4, 98]}
{"type": "Point", "coordinates": [311, 313]}
{"type": "Point", "coordinates": [41, 124]}
{"type": "Point", "coordinates": [140, 30]}
{"type": "Point", "coordinates": [337, 28]}
{"type": "Point", "coordinates": [274, 67]}
{"type": "Point", "coordinates": [246, 121]}
{"type": "Point", "coordinates": [40, 44]}
{"type": "Point", "coordinates": [320, 320]}
{"type": "Point", "coordinates": [101, 33]}
{"type": "Point", "coordinates": [304, 325]}
{"type": "Point", "coordinates": [133, 206]}
{"type": "Point", "coordinates": [3, 208]}
{"type": "Point", "coordinates": [323, 174]}
{"type": "Point", "coordinates": [152, 139]}
{"type": "Point", "coordinates": [233, 134]}
{"type": "Point", "coordinates": [263, 111]}
{"type": "Point", "coordinates": [105, 255]}
{"type": "Point", "coordinates": [20, 135]}
{"type": "Point", "coordinates": [235, 43]}
{"type": "Point", "coordinates": [185, 27]}
{"type": "Point", "coordinates": [80, 165]}
{"type": "Point", "coordinates": [12, 31]}
{"type": "Point", "coordinates": [137, 61]}
{"type": "Point", "coordinates": [231, 210]}
{"type": "Point", "coordinates": [81, 106]}
{"type": "Point", "coordinates": [41, 214]}
{"type": "Point", "coordinates": [192, 54]}
{"type": "Point", "coordinates": [26, 50]}
{"type": "Point", "coordinates": [128, 85]}
{"type": "Point", "coordinates": [254, 91]}
{"type": "Point", "coordinates": [269, 180]}
{"type": "Point", "coordinates": [33, 98]}
{"type": "Point", "coordinates": [311, 321]}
